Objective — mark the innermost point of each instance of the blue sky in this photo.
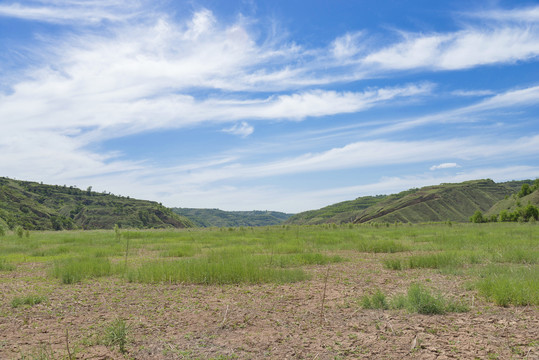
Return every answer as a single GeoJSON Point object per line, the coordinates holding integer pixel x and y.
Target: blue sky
{"type": "Point", "coordinates": [268, 105]}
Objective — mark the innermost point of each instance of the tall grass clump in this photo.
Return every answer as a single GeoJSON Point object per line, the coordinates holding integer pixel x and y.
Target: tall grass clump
{"type": "Point", "coordinates": [381, 246]}
{"type": "Point", "coordinates": [5, 266]}
{"type": "Point", "coordinates": [232, 270]}
{"type": "Point", "coordinates": [377, 300]}
{"type": "Point", "coordinates": [30, 300]}
{"type": "Point", "coordinates": [116, 334]}
{"type": "Point", "coordinates": [517, 256]}
{"type": "Point", "coordinates": [393, 264]}
{"type": "Point", "coordinates": [303, 259]}
{"type": "Point", "coordinates": [420, 300]}
{"type": "Point", "coordinates": [510, 285]}
{"type": "Point", "coordinates": [74, 270]}
{"type": "Point", "coordinates": [434, 261]}
{"type": "Point", "coordinates": [184, 250]}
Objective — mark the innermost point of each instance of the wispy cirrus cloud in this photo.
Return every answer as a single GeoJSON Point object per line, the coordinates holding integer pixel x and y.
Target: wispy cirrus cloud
{"type": "Point", "coordinates": [514, 98]}
{"type": "Point", "coordinates": [73, 11]}
{"type": "Point", "coordinates": [148, 71]}
{"type": "Point", "coordinates": [460, 50]}
{"type": "Point", "coordinates": [243, 129]}
{"type": "Point", "coordinates": [365, 154]}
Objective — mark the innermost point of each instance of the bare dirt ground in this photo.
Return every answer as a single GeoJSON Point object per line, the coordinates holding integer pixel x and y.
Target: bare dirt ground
{"type": "Point", "coordinates": [179, 321]}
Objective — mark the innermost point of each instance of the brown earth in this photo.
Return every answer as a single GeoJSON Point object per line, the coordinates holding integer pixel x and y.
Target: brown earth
{"type": "Point", "coordinates": [179, 321]}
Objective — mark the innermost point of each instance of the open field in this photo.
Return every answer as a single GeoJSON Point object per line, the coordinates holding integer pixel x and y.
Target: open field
{"type": "Point", "coordinates": [315, 292]}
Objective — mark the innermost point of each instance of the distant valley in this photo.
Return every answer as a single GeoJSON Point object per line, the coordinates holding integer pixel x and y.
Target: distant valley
{"type": "Point", "coordinates": [36, 206]}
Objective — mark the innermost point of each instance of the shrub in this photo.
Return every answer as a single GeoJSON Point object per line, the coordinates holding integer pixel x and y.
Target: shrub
{"type": "Point", "coordinates": [19, 231]}
{"type": "Point", "coordinates": [117, 232]}
{"type": "Point", "coordinates": [2, 230]}
{"type": "Point", "coordinates": [477, 217]}
{"type": "Point", "coordinates": [531, 212]}
{"type": "Point", "coordinates": [524, 190]}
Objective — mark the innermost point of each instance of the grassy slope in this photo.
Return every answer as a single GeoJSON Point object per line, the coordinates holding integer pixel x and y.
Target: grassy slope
{"type": "Point", "coordinates": [36, 206]}
{"type": "Point", "coordinates": [342, 212]}
{"type": "Point", "coordinates": [455, 202]}
{"type": "Point", "coordinates": [220, 218]}
{"type": "Point", "coordinates": [511, 203]}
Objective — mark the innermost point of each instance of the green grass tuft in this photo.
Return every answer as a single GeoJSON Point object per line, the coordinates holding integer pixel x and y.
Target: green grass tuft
{"type": "Point", "coordinates": [421, 301]}
{"type": "Point", "coordinates": [376, 301]}
{"type": "Point", "coordinates": [434, 261]}
{"type": "Point", "coordinates": [392, 264]}
{"type": "Point", "coordinates": [30, 300]}
{"type": "Point", "coordinates": [5, 266]}
{"type": "Point", "coordinates": [507, 285]}
{"type": "Point", "coordinates": [382, 246]}
{"type": "Point", "coordinates": [116, 334]}
{"type": "Point", "coordinates": [231, 270]}
{"type": "Point", "coordinates": [74, 270]}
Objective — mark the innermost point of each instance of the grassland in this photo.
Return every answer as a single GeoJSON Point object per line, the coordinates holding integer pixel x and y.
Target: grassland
{"type": "Point", "coordinates": [323, 291]}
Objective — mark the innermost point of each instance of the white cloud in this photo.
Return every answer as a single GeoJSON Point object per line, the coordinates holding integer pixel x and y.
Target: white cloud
{"type": "Point", "coordinates": [516, 98]}
{"type": "Point", "coordinates": [347, 46]}
{"type": "Point", "coordinates": [150, 72]}
{"type": "Point", "coordinates": [529, 14]}
{"type": "Point", "coordinates": [369, 154]}
{"type": "Point", "coordinates": [72, 12]}
{"type": "Point", "coordinates": [444, 166]}
{"type": "Point", "coordinates": [243, 129]}
{"type": "Point", "coordinates": [459, 50]}
{"type": "Point", "coordinates": [472, 93]}
{"type": "Point", "coordinates": [233, 197]}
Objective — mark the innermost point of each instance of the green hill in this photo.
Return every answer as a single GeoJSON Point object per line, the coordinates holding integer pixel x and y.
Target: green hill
{"type": "Point", "coordinates": [220, 218]}
{"type": "Point", "coordinates": [343, 212]}
{"type": "Point", "coordinates": [455, 202]}
{"type": "Point", "coordinates": [36, 206]}
{"type": "Point", "coordinates": [515, 201]}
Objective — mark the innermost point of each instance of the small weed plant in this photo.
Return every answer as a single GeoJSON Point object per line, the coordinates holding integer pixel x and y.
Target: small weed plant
{"type": "Point", "coordinates": [116, 335]}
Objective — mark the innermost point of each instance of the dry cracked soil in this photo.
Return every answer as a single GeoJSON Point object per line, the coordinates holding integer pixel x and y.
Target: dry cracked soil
{"type": "Point", "coordinates": [316, 319]}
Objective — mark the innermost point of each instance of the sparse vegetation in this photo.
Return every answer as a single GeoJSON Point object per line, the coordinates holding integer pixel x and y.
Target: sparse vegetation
{"type": "Point", "coordinates": [418, 299]}
{"type": "Point", "coordinates": [208, 273]}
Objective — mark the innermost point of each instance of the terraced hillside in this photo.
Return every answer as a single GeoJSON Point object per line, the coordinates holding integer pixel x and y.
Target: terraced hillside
{"type": "Point", "coordinates": [37, 206]}
{"type": "Point", "coordinates": [454, 202]}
